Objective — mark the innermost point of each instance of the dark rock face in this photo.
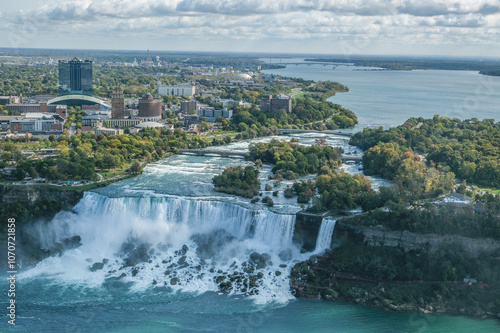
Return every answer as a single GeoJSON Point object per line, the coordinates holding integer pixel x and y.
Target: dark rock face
{"type": "Point", "coordinates": [306, 230]}
{"type": "Point", "coordinates": [135, 254]}
{"type": "Point", "coordinates": [66, 244]}
{"type": "Point", "coordinates": [285, 255]}
{"type": "Point", "coordinates": [33, 198]}
{"type": "Point", "coordinates": [382, 236]}
{"type": "Point", "coordinates": [31, 193]}
{"type": "Point", "coordinates": [97, 266]}
{"type": "Point", "coordinates": [211, 244]}
{"type": "Point", "coordinates": [72, 243]}
{"type": "Point", "coordinates": [261, 260]}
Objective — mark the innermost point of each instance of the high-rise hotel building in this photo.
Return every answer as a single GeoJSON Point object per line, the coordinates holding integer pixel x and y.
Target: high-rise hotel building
{"type": "Point", "coordinates": [75, 77]}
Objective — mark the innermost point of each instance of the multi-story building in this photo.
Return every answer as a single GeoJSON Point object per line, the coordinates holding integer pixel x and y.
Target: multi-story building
{"type": "Point", "coordinates": [5, 121]}
{"type": "Point", "coordinates": [186, 90]}
{"type": "Point", "coordinates": [94, 120]}
{"type": "Point", "coordinates": [211, 114]}
{"type": "Point", "coordinates": [34, 125]}
{"type": "Point", "coordinates": [271, 104]}
{"type": "Point", "coordinates": [4, 100]}
{"type": "Point", "coordinates": [122, 123]}
{"type": "Point", "coordinates": [191, 119]}
{"type": "Point", "coordinates": [36, 108]}
{"type": "Point", "coordinates": [112, 131]}
{"type": "Point", "coordinates": [117, 103]}
{"type": "Point", "coordinates": [149, 108]}
{"type": "Point", "coordinates": [91, 108]}
{"type": "Point", "coordinates": [188, 107]}
{"type": "Point", "coordinates": [230, 102]}
{"type": "Point", "coordinates": [75, 77]}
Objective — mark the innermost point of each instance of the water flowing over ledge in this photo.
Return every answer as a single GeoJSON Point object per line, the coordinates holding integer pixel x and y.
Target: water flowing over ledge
{"type": "Point", "coordinates": [325, 234]}
{"type": "Point", "coordinates": [183, 244]}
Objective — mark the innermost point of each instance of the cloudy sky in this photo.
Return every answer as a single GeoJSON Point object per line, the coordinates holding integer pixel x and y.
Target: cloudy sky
{"type": "Point", "coordinates": [433, 27]}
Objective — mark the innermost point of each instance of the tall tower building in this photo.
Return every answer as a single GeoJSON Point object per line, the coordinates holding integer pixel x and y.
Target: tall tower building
{"type": "Point", "coordinates": [75, 77]}
{"type": "Point", "coordinates": [149, 108]}
{"type": "Point", "coordinates": [117, 103]}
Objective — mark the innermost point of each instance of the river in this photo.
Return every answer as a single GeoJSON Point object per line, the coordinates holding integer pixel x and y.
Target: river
{"type": "Point", "coordinates": [389, 98]}
{"type": "Point", "coordinates": [154, 249]}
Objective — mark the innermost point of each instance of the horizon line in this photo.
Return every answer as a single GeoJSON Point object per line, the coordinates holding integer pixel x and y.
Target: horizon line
{"type": "Point", "coordinates": [261, 54]}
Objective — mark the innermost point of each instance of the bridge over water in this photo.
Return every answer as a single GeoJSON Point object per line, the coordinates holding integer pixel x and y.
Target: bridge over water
{"type": "Point", "coordinates": [241, 154]}
{"type": "Point", "coordinates": [292, 131]}
{"type": "Point", "coordinates": [203, 152]}
{"type": "Point", "coordinates": [352, 158]}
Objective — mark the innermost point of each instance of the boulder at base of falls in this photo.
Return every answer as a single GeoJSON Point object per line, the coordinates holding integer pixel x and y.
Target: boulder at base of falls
{"type": "Point", "coordinates": [261, 260]}
{"type": "Point", "coordinates": [285, 255]}
{"type": "Point", "coordinates": [211, 244]}
{"type": "Point", "coordinates": [97, 266]}
{"type": "Point", "coordinates": [135, 254]}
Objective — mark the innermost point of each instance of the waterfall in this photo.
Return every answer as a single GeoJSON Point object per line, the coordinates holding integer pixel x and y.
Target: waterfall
{"type": "Point", "coordinates": [325, 235]}
{"type": "Point", "coordinates": [199, 216]}
{"type": "Point", "coordinates": [191, 245]}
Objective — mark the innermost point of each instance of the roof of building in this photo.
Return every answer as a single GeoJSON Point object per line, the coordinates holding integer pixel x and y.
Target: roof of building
{"type": "Point", "coordinates": [39, 115]}
{"type": "Point", "coordinates": [243, 76]}
{"type": "Point", "coordinates": [100, 128]}
{"type": "Point", "coordinates": [456, 199]}
{"type": "Point", "coordinates": [96, 116]}
{"type": "Point", "coordinates": [5, 118]}
{"type": "Point", "coordinates": [459, 196]}
{"type": "Point", "coordinates": [148, 124]}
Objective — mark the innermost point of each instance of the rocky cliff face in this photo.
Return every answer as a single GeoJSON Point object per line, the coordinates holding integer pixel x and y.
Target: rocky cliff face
{"type": "Point", "coordinates": [28, 204]}
{"type": "Point", "coordinates": [306, 230]}
{"type": "Point", "coordinates": [31, 193]}
{"type": "Point", "coordinates": [382, 236]}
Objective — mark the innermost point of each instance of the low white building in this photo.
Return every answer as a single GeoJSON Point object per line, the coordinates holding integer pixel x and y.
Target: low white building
{"type": "Point", "coordinates": [112, 131]}
{"type": "Point", "coordinates": [186, 90]}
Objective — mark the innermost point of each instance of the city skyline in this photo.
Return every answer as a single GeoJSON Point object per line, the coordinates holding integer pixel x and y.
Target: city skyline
{"type": "Point", "coordinates": [403, 27]}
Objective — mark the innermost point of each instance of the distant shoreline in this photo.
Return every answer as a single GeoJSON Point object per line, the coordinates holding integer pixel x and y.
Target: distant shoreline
{"type": "Point", "coordinates": [485, 68]}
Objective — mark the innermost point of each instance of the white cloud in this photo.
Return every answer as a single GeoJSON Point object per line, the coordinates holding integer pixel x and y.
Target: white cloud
{"type": "Point", "coordinates": [94, 9]}
{"type": "Point", "coordinates": [319, 22]}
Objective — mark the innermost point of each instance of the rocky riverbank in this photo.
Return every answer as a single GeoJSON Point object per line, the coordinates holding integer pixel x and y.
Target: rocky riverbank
{"type": "Point", "coordinates": [310, 281]}
{"type": "Point", "coordinates": [401, 271]}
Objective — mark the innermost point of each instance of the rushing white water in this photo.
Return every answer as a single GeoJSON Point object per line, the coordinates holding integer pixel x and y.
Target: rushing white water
{"type": "Point", "coordinates": [191, 245]}
{"type": "Point", "coordinates": [325, 235]}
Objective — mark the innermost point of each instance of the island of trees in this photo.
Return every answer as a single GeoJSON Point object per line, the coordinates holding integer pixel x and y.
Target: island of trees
{"type": "Point", "coordinates": [331, 190]}
{"type": "Point", "coordinates": [470, 148]}
{"type": "Point", "coordinates": [239, 181]}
